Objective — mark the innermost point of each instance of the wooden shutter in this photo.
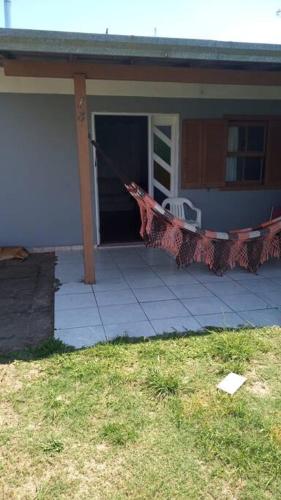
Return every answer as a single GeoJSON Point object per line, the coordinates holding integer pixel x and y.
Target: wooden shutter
{"type": "Point", "coordinates": [214, 153]}
{"type": "Point", "coordinates": [273, 154]}
{"type": "Point", "coordinates": [204, 148]}
{"type": "Point", "coordinates": [192, 136]}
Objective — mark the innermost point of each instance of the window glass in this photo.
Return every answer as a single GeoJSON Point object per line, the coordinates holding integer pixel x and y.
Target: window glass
{"type": "Point", "coordinates": [253, 169]}
{"type": "Point", "coordinates": [233, 139]}
{"type": "Point", "coordinates": [255, 139]}
{"type": "Point", "coordinates": [242, 138]}
{"type": "Point", "coordinates": [236, 139]}
{"type": "Point", "coordinates": [162, 149]}
{"type": "Point", "coordinates": [158, 196]}
{"type": "Point", "coordinates": [234, 169]}
{"type": "Point", "coordinates": [231, 169]}
{"type": "Point", "coordinates": [245, 159]}
{"type": "Point", "coordinates": [240, 169]}
{"type": "Point", "coordinates": [166, 130]}
{"type": "Point", "coordinates": [162, 176]}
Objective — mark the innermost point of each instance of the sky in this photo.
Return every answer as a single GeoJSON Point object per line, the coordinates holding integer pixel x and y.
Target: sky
{"type": "Point", "coordinates": [231, 20]}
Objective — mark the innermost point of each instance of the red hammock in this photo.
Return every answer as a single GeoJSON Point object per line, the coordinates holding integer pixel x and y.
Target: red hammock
{"type": "Point", "coordinates": [248, 248]}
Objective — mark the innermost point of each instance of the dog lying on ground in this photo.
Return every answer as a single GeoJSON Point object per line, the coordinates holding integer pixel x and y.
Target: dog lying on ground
{"type": "Point", "coordinates": [8, 253]}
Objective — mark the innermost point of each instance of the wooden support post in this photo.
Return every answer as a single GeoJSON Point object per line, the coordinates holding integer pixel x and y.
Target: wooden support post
{"type": "Point", "coordinates": [85, 176]}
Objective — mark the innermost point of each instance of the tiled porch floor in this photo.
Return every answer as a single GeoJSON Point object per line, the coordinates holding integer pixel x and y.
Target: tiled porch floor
{"type": "Point", "coordinates": [140, 292]}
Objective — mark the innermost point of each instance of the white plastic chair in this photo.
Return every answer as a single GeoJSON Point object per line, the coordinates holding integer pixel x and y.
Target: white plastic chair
{"type": "Point", "coordinates": [177, 208]}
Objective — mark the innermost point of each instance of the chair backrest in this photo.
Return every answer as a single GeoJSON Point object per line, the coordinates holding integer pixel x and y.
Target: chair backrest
{"type": "Point", "coordinates": [177, 207]}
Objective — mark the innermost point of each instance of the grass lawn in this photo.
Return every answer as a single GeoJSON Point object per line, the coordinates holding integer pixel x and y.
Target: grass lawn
{"type": "Point", "coordinates": [143, 420]}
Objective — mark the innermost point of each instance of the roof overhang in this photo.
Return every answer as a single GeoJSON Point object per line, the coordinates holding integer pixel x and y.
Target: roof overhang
{"type": "Point", "coordinates": [20, 43]}
{"type": "Point", "coordinates": [48, 54]}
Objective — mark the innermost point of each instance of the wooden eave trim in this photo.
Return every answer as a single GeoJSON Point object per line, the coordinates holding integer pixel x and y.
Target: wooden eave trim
{"type": "Point", "coordinates": [101, 71]}
{"type": "Point", "coordinates": [243, 119]}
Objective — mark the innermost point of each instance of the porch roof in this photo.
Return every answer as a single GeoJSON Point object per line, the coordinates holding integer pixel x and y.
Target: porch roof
{"type": "Point", "coordinates": [120, 48]}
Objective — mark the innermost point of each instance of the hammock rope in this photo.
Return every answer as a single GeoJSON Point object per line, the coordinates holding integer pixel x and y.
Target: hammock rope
{"type": "Point", "coordinates": [248, 248]}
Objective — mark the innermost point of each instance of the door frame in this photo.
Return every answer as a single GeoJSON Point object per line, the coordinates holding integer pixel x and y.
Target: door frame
{"type": "Point", "coordinates": [149, 116]}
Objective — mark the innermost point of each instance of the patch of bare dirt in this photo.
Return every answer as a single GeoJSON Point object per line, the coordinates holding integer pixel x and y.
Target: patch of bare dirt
{"type": "Point", "coordinates": [33, 373]}
{"type": "Point", "coordinates": [259, 388]}
{"type": "Point", "coordinates": [8, 416]}
{"type": "Point", "coordinates": [26, 302]}
{"type": "Point", "coordinates": [276, 433]}
{"type": "Point", "coordinates": [255, 384]}
{"type": "Point", "coordinates": [10, 378]}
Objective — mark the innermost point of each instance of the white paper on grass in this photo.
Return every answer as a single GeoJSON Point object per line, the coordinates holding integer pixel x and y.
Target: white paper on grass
{"type": "Point", "coordinates": [231, 383]}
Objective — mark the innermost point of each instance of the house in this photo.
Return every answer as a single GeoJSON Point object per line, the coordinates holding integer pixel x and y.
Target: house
{"type": "Point", "coordinates": [193, 118]}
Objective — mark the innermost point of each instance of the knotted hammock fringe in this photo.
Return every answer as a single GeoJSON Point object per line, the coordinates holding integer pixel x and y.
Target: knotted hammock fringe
{"type": "Point", "coordinates": [248, 248]}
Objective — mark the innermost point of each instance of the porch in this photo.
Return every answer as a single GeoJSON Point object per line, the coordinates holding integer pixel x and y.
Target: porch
{"type": "Point", "coordinates": [140, 292]}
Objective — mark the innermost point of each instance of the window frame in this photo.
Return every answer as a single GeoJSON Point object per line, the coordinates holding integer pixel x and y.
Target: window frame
{"type": "Point", "coordinates": [202, 168]}
{"type": "Point", "coordinates": [240, 122]}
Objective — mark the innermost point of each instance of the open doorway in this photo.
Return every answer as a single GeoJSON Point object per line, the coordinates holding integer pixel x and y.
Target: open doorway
{"type": "Point", "coordinates": [124, 139]}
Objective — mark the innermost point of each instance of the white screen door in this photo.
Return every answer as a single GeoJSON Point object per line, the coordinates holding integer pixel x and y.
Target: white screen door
{"type": "Point", "coordinates": [164, 156]}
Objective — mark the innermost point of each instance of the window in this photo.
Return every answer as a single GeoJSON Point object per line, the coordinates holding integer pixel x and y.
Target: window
{"type": "Point", "coordinates": [245, 160]}
{"type": "Point", "coordinates": [231, 153]}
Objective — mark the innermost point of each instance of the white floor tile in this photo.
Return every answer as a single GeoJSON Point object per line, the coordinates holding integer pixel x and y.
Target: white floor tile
{"type": "Point", "coordinates": [113, 297]}
{"type": "Point", "coordinates": [104, 284]}
{"type": "Point", "coordinates": [222, 320]}
{"type": "Point", "coordinates": [171, 325]}
{"type": "Point", "coordinates": [73, 318]}
{"type": "Point", "coordinates": [155, 255]}
{"type": "Point", "coordinates": [69, 273]}
{"type": "Point", "coordinates": [121, 314]}
{"type": "Point", "coordinates": [70, 277]}
{"type": "Point", "coordinates": [260, 286]}
{"type": "Point", "coordinates": [211, 277]}
{"type": "Point", "coordinates": [153, 293]}
{"type": "Point", "coordinates": [74, 301]}
{"type": "Point", "coordinates": [169, 268]}
{"type": "Point", "coordinates": [70, 288]}
{"type": "Point", "coordinates": [190, 291]}
{"type": "Point", "coordinates": [134, 272]}
{"type": "Point", "coordinates": [104, 259]}
{"type": "Point", "coordinates": [179, 278]}
{"type": "Point", "coordinates": [168, 295]}
{"type": "Point", "coordinates": [225, 288]}
{"type": "Point", "coordinates": [124, 253]}
{"type": "Point", "coordinates": [204, 275]}
{"type": "Point", "coordinates": [144, 282]}
{"type": "Point", "coordinates": [270, 271]}
{"type": "Point", "coordinates": [81, 337]}
{"type": "Point", "coordinates": [272, 297]}
{"type": "Point", "coordinates": [205, 305]}
{"type": "Point", "coordinates": [150, 251]}
{"type": "Point", "coordinates": [276, 281]}
{"type": "Point", "coordinates": [103, 254]}
{"type": "Point", "coordinates": [130, 329]}
{"type": "Point", "coordinates": [157, 260]}
{"type": "Point", "coordinates": [106, 265]}
{"type": "Point", "coordinates": [126, 263]}
{"type": "Point", "coordinates": [244, 302]}
{"type": "Point", "coordinates": [240, 274]}
{"type": "Point", "coordinates": [103, 273]}
{"type": "Point", "coordinates": [164, 309]}
{"type": "Point", "coordinates": [266, 317]}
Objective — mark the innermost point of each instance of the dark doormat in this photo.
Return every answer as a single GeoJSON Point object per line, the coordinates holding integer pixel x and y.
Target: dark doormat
{"type": "Point", "coordinates": [26, 301]}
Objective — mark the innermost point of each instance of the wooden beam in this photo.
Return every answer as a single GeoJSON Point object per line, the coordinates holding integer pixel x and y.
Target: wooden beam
{"type": "Point", "coordinates": [154, 73]}
{"type": "Point", "coordinates": [85, 176]}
